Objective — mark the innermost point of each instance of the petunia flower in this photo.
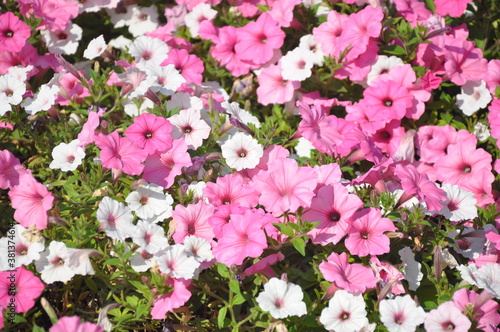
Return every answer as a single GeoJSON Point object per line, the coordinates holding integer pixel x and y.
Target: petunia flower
{"type": "Point", "coordinates": [345, 313]}
{"type": "Point", "coordinates": [176, 262]}
{"type": "Point", "coordinates": [150, 132]}
{"type": "Point", "coordinates": [447, 317]}
{"type": "Point", "coordinates": [189, 125]}
{"type": "Point", "coordinates": [282, 299]}
{"type": "Point", "coordinates": [242, 151]}
{"type": "Point", "coordinates": [192, 220]}
{"type": "Point", "coordinates": [74, 324]}
{"type": "Point", "coordinates": [13, 33]}
{"type": "Point", "coordinates": [401, 314]}
{"type": "Point", "coordinates": [67, 156]}
{"type": "Point", "coordinates": [25, 251]}
{"type": "Point", "coordinates": [115, 219]}
{"type": "Point", "coordinates": [27, 287]}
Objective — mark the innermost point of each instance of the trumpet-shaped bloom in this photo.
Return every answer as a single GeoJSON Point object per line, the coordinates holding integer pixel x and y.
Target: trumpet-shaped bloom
{"type": "Point", "coordinates": [231, 189]}
{"type": "Point", "coordinates": [31, 200]}
{"type": "Point", "coordinates": [13, 33]}
{"type": "Point", "coordinates": [354, 278]}
{"type": "Point", "coordinates": [286, 186]}
{"type": "Point", "coordinates": [192, 220]}
{"type": "Point", "coordinates": [10, 170]}
{"type": "Point", "coordinates": [120, 153]}
{"type": "Point", "coordinates": [115, 218]}
{"type": "Point", "coordinates": [172, 300]}
{"type": "Point", "coordinates": [26, 289]}
{"type": "Point", "coordinates": [273, 88]}
{"type": "Point", "coordinates": [150, 132]}
{"type": "Point", "coordinates": [447, 317]}
{"type": "Point", "coordinates": [243, 237]}
{"type": "Point", "coordinates": [345, 313]}
{"type": "Point", "coordinates": [242, 151]}
{"type": "Point", "coordinates": [282, 299]}
{"type": "Point", "coordinates": [67, 156]}
{"type": "Point", "coordinates": [25, 251]}
{"type": "Point", "coordinates": [177, 262]}
{"type": "Point", "coordinates": [189, 125]}
{"type": "Point", "coordinates": [366, 235]}
{"type": "Point", "coordinates": [74, 324]}
{"type": "Point", "coordinates": [401, 314]}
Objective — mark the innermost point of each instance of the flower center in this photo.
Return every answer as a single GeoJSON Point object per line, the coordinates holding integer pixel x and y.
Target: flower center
{"type": "Point", "coordinates": [242, 153]}
{"type": "Point", "coordinates": [147, 238]}
{"type": "Point", "coordinates": [279, 303]}
{"type": "Point", "coordinates": [344, 315]}
{"type": "Point", "coordinates": [187, 130]}
{"type": "Point", "coordinates": [452, 206]}
{"type": "Point", "coordinates": [334, 216]}
{"type": "Point", "coordinates": [148, 134]}
{"type": "Point", "coordinates": [8, 92]}
{"type": "Point", "coordinates": [191, 230]}
{"type": "Point", "coordinates": [301, 64]}
{"type": "Point", "coordinates": [9, 33]}
{"type": "Point", "coordinates": [22, 250]}
{"type": "Point", "coordinates": [146, 55]}
{"type": "Point", "coordinates": [62, 36]}
{"type": "Point", "coordinates": [364, 236]}
{"type": "Point", "coordinates": [467, 169]}
{"type": "Point", "coordinates": [70, 159]}
{"type": "Point", "coordinates": [144, 200]}
{"type": "Point", "coordinates": [387, 102]}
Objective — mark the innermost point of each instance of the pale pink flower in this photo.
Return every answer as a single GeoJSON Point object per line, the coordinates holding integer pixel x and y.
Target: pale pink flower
{"type": "Point", "coordinates": [74, 324]}
{"type": "Point", "coordinates": [345, 313]}
{"type": "Point", "coordinates": [273, 88]}
{"type": "Point", "coordinates": [189, 125]}
{"type": "Point", "coordinates": [14, 33]}
{"type": "Point", "coordinates": [10, 170]}
{"type": "Point", "coordinates": [192, 220]}
{"type": "Point", "coordinates": [231, 189]}
{"type": "Point", "coordinates": [176, 262]}
{"type": "Point", "coordinates": [285, 186]}
{"type": "Point", "coordinates": [282, 299]}
{"type": "Point", "coordinates": [447, 317]}
{"type": "Point", "coordinates": [454, 8]}
{"type": "Point", "coordinates": [401, 314]}
{"type": "Point", "coordinates": [172, 300]}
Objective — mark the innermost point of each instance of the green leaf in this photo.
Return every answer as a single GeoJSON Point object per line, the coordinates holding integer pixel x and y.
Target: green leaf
{"type": "Point", "coordinates": [300, 245]}
{"type": "Point", "coordinates": [37, 329]}
{"type": "Point", "coordinates": [223, 270]}
{"type": "Point", "coordinates": [221, 317]}
{"type": "Point", "coordinates": [234, 286]}
{"type": "Point", "coordinates": [238, 299]}
{"type": "Point", "coordinates": [394, 50]}
{"type": "Point", "coordinates": [141, 310]}
{"type": "Point", "coordinates": [285, 229]}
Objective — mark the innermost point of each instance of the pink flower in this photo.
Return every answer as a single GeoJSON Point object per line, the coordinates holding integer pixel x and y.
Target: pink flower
{"type": "Point", "coordinates": [389, 100]}
{"type": "Point", "coordinates": [150, 132]}
{"type": "Point", "coordinates": [464, 62]}
{"type": "Point", "coordinates": [258, 39]}
{"type": "Point", "coordinates": [162, 168]}
{"type": "Point", "coordinates": [285, 186]}
{"type": "Point", "coordinates": [74, 324]}
{"type": "Point", "coordinates": [231, 189]}
{"type": "Point", "coordinates": [454, 8]}
{"type": "Point", "coordinates": [26, 289]}
{"type": "Point", "coordinates": [13, 33]}
{"type": "Point", "coordinates": [31, 200]}
{"type": "Point", "coordinates": [192, 220]}
{"type": "Point", "coordinates": [463, 163]}
{"type": "Point", "coordinates": [86, 136]}
{"type": "Point", "coordinates": [273, 89]}
{"type": "Point", "coordinates": [366, 235]}
{"type": "Point", "coordinates": [319, 129]}
{"type": "Point", "coordinates": [354, 278]}
{"type": "Point", "coordinates": [328, 34]}
{"type": "Point", "coordinates": [447, 317]}
{"type": "Point", "coordinates": [486, 314]}
{"type": "Point", "coordinates": [172, 300]}
{"type": "Point", "coordinates": [333, 207]}
{"type": "Point", "coordinates": [10, 170]}
{"type": "Point", "coordinates": [188, 65]}
{"type": "Point", "coordinates": [222, 216]}
{"type": "Point", "coordinates": [224, 52]}
{"type": "Point", "coordinates": [243, 237]}
{"type": "Point", "coordinates": [56, 14]}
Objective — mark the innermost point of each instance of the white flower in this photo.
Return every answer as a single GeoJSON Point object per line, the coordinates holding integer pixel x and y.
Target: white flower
{"type": "Point", "coordinates": [401, 314]}
{"type": "Point", "coordinates": [242, 151]}
{"type": "Point", "coordinates": [488, 278]}
{"type": "Point", "coordinates": [148, 51]}
{"type": "Point", "coordinates": [197, 189]}
{"type": "Point", "coordinates": [199, 248]}
{"type": "Point", "coordinates": [96, 47]}
{"type": "Point", "coordinates": [149, 200]}
{"type": "Point", "coordinates": [12, 88]}
{"type": "Point", "coordinates": [183, 101]}
{"type": "Point", "coordinates": [177, 262]}
{"type": "Point", "coordinates": [142, 260]}
{"type": "Point", "coordinates": [164, 79]}
{"type": "Point", "coordinates": [67, 156]}
{"type": "Point", "coordinates": [468, 273]}
{"type": "Point", "coordinates": [317, 56]}
{"type": "Point", "coordinates": [121, 42]}
{"type": "Point", "coordinates": [54, 263]}
{"type": "Point", "coordinates": [149, 237]}
{"type": "Point", "coordinates": [131, 109]}
{"type": "Point", "coordinates": [115, 218]}
{"type": "Point", "coordinates": [25, 251]}
{"type": "Point", "coordinates": [200, 13]}
{"type": "Point", "coordinates": [470, 246]}
{"type": "Point", "coordinates": [63, 41]}
{"type": "Point", "coordinates": [304, 148]}
{"type": "Point", "coordinates": [42, 101]}
{"type": "Point", "coordinates": [460, 205]}
{"type": "Point", "coordinates": [411, 268]}
{"type": "Point", "coordinates": [20, 72]}
{"type": "Point", "coordinates": [296, 65]}
{"type": "Point", "coordinates": [234, 110]}
{"type": "Point", "coordinates": [481, 131]}
{"type": "Point", "coordinates": [282, 299]}
{"type": "Point", "coordinates": [474, 96]}
{"type": "Point", "coordinates": [189, 125]}
{"type": "Point", "coordinates": [345, 312]}
{"type": "Point", "coordinates": [143, 20]}
{"type": "Point", "coordinates": [79, 260]}
{"type": "Point", "coordinates": [383, 66]}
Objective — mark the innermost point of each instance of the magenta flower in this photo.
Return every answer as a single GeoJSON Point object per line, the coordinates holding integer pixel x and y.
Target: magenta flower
{"type": "Point", "coordinates": [389, 100]}
{"type": "Point", "coordinates": [258, 39]}
{"type": "Point", "coordinates": [333, 207]}
{"type": "Point", "coordinates": [27, 289]}
{"type": "Point", "coordinates": [454, 8]}
{"type": "Point", "coordinates": [231, 189]}
{"type": "Point", "coordinates": [223, 51]}
{"type": "Point", "coordinates": [366, 235]}
{"type": "Point", "coordinates": [74, 324]}
{"type": "Point", "coordinates": [120, 153]}
{"type": "Point", "coordinates": [150, 132]}
{"type": "Point", "coordinates": [188, 65]}
{"type": "Point", "coordinates": [31, 200]}
{"type": "Point", "coordinates": [192, 220]}
{"type": "Point", "coordinates": [13, 33]}
{"type": "Point", "coordinates": [354, 278]}
{"type": "Point", "coordinates": [243, 237]}
{"type": "Point", "coordinates": [285, 186]}
{"type": "Point", "coordinates": [162, 168]}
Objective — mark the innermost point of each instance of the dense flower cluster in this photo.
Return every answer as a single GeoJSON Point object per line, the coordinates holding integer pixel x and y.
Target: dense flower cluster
{"type": "Point", "coordinates": [249, 165]}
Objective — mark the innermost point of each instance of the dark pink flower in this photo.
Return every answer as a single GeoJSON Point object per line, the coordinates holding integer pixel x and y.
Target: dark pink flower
{"type": "Point", "coordinates": [366, 235]}
{"type": "Point", "coordinates": [31, 200]}
{"type": "Point", "coordinates": [188, 65]}
{"type": "Point", "coordinates": [333, 207]}
{"type": "Point", "coordinates": [13, 33]}
{"type": "Point", "coordinates": [26, 289]}
{"type": "Point", "coordinates": [150, 132]}
{"type": "Point", "coordinates": [120, 153]}
{"type": "Point", "coordinates": [10, 170]}
{"type": "Point", "coordinates": [354, 278]}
